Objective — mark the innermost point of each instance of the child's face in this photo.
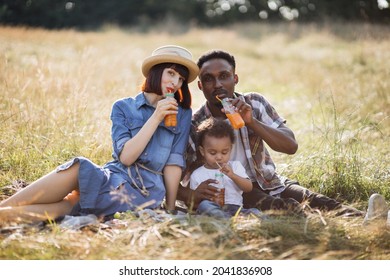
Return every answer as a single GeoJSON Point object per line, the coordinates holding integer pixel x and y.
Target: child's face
{"type": "Point", "coordinates": [215, 150]}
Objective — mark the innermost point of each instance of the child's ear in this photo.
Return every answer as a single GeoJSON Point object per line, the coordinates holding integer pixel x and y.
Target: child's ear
{"type": "Point", "coordinates": [201, 150]}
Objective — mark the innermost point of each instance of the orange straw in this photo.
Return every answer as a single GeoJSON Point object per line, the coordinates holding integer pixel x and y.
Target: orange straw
{"type": "Point", "coordinates": [219, 99]}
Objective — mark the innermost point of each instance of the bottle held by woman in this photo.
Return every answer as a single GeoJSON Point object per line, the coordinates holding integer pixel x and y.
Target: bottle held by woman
{"type": "Point", "coordinates": [170, 120]}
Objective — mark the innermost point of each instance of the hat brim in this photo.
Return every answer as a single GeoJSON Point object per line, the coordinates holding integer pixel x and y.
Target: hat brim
{"type": "Point", "coordinates": [149, 62]}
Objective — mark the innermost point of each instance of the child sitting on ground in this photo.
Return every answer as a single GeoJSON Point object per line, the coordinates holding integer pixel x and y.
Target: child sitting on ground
{"type": "Point", "coordinates": [215, 140]}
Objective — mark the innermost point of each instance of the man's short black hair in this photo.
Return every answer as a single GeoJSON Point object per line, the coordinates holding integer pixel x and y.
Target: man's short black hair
{"type": "Point", "coordinates": [217, 54]}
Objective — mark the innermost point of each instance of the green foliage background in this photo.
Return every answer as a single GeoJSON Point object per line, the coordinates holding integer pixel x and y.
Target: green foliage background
{"type": "Point", "coordinates": [89, 14]}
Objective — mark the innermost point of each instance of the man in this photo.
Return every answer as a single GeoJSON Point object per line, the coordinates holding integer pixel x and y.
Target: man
{"type": "Point", "coordinates": [262, 124]}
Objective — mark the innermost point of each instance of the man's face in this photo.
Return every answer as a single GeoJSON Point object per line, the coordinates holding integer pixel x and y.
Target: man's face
{"type": "Point", "coordinates": [217, 78]}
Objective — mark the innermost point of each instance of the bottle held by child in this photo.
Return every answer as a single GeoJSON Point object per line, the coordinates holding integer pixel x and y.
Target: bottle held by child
{"type": "Point", "coordinates": [220, 199]}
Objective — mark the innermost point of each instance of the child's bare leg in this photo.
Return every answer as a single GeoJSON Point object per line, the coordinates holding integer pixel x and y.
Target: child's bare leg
{"type": "Point", "coordinates": [51, 188]}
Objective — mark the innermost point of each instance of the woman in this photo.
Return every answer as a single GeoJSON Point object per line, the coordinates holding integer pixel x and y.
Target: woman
{"type": "Point", "coordinates": [148, 156]}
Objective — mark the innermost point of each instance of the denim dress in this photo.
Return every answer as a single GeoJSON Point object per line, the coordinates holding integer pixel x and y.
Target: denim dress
{"type": "Point", "coordinates": [115, 187]}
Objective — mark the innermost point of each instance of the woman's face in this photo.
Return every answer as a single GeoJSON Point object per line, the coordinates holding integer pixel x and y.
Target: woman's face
{"type": "Point", "coordinates": [171, 81]}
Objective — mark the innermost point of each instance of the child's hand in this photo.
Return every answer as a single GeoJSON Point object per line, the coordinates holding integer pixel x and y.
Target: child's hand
{"type": "Point", "coordinates": [227, 170]}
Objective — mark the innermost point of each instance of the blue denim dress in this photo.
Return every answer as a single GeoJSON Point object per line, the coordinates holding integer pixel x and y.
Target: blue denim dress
{"type": "Point", "coordinates": [115, 187]}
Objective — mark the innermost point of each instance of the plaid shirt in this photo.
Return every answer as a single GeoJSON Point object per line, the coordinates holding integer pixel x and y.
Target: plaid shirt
{"type": "Point", "coordinates": [260, 162]}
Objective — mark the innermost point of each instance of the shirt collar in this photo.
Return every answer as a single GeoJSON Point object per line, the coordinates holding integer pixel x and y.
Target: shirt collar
{"type": "Point", "coordinates": [140, 100]}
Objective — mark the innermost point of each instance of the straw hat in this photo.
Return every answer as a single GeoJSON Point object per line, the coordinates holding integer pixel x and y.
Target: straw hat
{"type": "Point", "coordinates": [174, 54]}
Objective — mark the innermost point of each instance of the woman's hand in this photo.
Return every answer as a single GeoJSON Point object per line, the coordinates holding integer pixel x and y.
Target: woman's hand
{"type": "Point", "coordinates": [166, 106]}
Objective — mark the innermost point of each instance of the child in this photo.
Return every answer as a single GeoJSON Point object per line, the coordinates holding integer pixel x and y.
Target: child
{"type": "Point", "coordinates": [215, 142]}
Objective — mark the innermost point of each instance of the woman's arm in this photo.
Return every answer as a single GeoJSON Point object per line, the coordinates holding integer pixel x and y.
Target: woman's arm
{"type": "Point", "coordinates": [137, 144]}
{"type": "Point", "coordinates": [172, 176]}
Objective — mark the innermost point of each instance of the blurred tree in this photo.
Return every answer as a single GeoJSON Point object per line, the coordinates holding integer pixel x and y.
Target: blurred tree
{"type": "Point", "coordinates": [86, 14]}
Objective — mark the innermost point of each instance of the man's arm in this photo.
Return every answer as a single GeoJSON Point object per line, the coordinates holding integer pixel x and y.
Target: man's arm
{"type": "Point", "coordinates": [280, 139]}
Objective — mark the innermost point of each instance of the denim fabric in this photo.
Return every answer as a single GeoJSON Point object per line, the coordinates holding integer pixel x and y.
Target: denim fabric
{"type": "Point", "coordinates": [167, 144]}
{"type": "Point", "coordinates": [108, 189]}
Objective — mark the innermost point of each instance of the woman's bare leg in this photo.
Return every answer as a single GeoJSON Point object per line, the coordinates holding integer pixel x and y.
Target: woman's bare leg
{"type": "Point", "coordinates": [39, 212]}
{"type": "Point", "coordinates": [51, 188]}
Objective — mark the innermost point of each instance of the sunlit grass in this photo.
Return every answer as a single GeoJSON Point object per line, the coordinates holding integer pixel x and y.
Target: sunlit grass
{"type": "Point", "coordinates": [330, 83]}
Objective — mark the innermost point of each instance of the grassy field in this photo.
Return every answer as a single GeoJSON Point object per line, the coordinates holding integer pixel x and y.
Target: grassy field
{"type": "Point", "coordinates": [331, 83]}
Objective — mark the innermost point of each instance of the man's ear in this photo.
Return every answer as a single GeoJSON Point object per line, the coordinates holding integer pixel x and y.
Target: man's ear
{"type": "Point", "coordinates": [235, 78]}
{"type": "Point", "coordinates": [200, 85]}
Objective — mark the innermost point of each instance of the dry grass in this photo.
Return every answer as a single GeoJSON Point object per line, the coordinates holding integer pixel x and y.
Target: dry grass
{"type": "Point", "coordinates": [282, 237]}
{"type": "Point", "coordinates": [330, 83]}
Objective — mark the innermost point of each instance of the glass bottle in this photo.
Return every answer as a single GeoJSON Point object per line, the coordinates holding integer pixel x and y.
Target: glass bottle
{"type": "Point", "coordinates": [220, 199]}
{"type": "Point", "coordinates": [233, 116]}
{"type": "Point", "coordinates": [170, 120]}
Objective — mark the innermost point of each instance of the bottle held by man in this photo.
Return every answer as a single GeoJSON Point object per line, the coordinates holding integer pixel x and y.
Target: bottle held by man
{"type": "Point", "coordinates": [233, 116]}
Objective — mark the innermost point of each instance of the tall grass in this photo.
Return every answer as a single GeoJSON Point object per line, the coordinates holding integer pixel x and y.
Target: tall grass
{"type": "Point", "coordinates": [331, 83]}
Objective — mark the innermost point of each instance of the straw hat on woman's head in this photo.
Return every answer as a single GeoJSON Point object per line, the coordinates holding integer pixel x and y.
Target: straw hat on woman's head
{"type": "Point", "coordinates": [171, 54]}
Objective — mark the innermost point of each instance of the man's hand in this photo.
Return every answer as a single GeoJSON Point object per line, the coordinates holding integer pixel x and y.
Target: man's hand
{"type": "Point", "coordinates": [205, 191]}
{"type": "Point", "coordinates": [244, 109]}
{"type": "Point", "coordinates": [280, 139]}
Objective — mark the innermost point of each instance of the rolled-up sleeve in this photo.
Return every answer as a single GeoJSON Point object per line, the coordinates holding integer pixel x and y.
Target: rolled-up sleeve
{"type": "Point", "coordinates": [120, 132]}
{"type": "Point", "coordinates": [264, 111]}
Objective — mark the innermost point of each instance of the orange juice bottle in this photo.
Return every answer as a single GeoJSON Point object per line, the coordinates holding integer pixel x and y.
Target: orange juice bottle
{"type": "Point", "coordinates": [233, 116]}
{"type": "Point", "coordinates": [170, 120]}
